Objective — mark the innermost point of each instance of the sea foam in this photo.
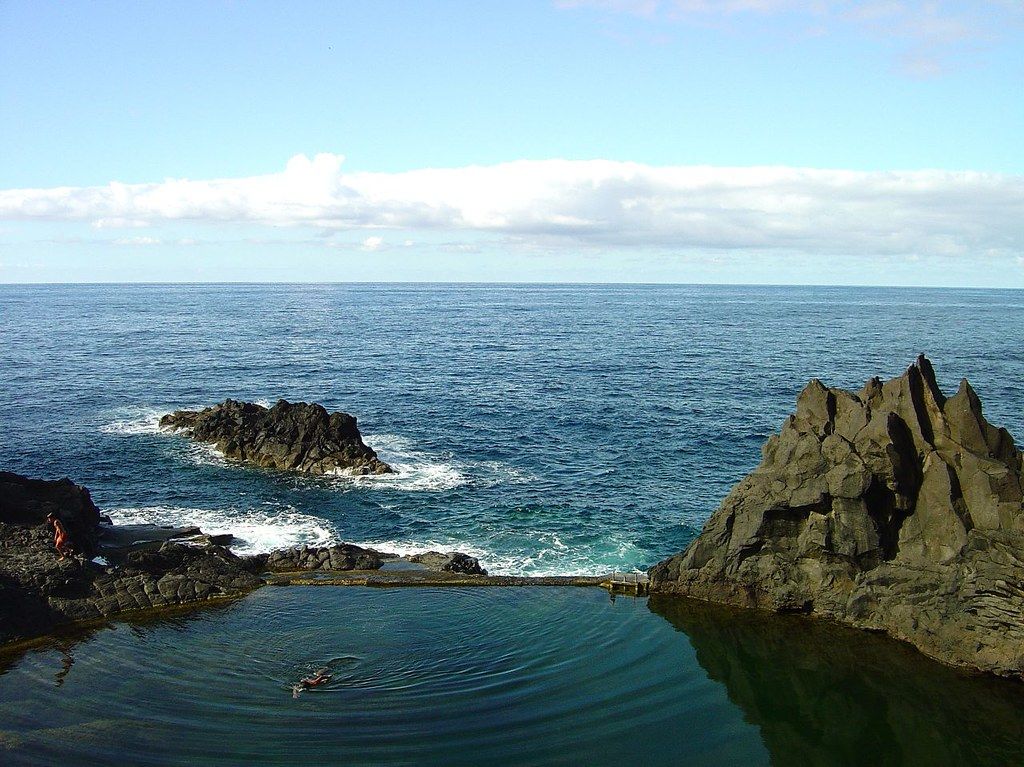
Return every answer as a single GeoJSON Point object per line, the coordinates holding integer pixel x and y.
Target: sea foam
{"type": "Point", "coordinates": [256, 530]}
{"type": "Point", "coordinates": [414, 469]}
{"type": "Point", "coordinates": [132, 421]}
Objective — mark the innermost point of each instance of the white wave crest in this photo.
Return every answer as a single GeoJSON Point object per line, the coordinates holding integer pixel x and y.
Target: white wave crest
{"type": "Point", "coordinates": [207, 454]}
{"type": "Point", "coordinates": [415, 469]}
{"type": "Point", "coordinates": [409, 548]}
{"type": "Point", "coordinates": [256, 530]}
{"type": "Point", "coordinates": [131, 421]}
{"type": "Point", "coordinates": [545, 555]}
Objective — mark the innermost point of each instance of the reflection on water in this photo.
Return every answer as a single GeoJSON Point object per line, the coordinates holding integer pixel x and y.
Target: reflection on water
{"type": "Point", "coordinates": [828, 695]}
{"type": "Point", "coordinates": [520, 676]}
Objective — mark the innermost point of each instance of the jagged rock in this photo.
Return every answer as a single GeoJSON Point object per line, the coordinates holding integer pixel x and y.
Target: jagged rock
{"type": "Point", "coordinates": [294, 436]}
{"type": "Point", "coordinates": [345, 556]}
{"type": "Point", "coordinates": [894, 509]}
{"type": "Point", "coordinates": [147, 566]}
{"type": "Point", "coordinates": [342, 556]}
{"type": "Point", "coordinates": [117, 541]}
{"type": "Point", "coordinates": [456, 562]}
{"type": "Point", "coordinates": [39, 591]}
{"type": "Point", "coordinates": [26, 502]}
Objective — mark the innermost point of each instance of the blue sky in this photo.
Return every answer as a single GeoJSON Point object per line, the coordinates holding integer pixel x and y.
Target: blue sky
{"type": "Point", "coordinates": [781, 141]}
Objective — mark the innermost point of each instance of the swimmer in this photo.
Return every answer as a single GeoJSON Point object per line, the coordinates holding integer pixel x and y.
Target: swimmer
{"type": "Point", "coordinates": [319, 677]}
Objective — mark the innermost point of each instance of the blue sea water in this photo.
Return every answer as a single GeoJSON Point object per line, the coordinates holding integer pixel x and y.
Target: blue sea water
{"type": "Point", "coordinates": [547, 429]}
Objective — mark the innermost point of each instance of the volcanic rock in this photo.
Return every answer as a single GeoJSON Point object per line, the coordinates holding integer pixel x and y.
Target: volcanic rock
{"type": "Point", "coordinates": [456, 562]}
{"type": "Point", "coordinates": [40, 591]}
{"type": "Point", "coordinates": [346, 556]}
{"type": "Point", "coordinates": [894, 509]}
{"type": "Point", "coordinates": [26, 502]}
{"type": "Point", "coordinates": [293, 436]}
{"type": "Point", "coordinates": [138, 567]}
{"type": "Point", "coordinates": [342, 556]}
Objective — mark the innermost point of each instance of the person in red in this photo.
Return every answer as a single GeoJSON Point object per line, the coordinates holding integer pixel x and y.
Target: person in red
{"type": "Point", "coordinates": [61, 538]}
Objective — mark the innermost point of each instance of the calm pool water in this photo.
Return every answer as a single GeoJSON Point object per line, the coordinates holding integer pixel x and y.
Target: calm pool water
{"type": "Point", "coordinates": [517, 676]}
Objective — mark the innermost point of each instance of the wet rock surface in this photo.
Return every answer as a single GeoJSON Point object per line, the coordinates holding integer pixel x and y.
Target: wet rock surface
{"type": "Point", "coordinates": [342, 556]}
{"type": "Point", "coordinates": [296, 436]}
{"type": "Point", "coordinates": [124, 568]}
{"type": "Point", "coordinates": [449, 563]}
{"type": "Point", "coordinates": [894, 509]}
{"type": "Point", "coordinates": [40, 591]}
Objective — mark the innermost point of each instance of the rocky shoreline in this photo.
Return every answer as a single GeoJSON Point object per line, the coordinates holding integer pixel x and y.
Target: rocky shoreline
{"type": "Point", "coordinates": [125, 569]}
{"type": "Point", "coordinates": [298, 436]}
{"type": "Point", "coordinates": [893, 509]}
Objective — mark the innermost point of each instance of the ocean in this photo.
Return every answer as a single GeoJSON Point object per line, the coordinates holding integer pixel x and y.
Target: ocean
{"type": "Point", "coordinates": [546, 429]}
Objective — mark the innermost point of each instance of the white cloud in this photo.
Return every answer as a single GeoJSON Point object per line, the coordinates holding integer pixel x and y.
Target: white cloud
{"type": "Point", "coordinates": [373, 243]}
{"type": "Point", "coordinates": [596, 202]}
{"type": "Point", "coordinates": [119, 223]}
{"type": "Point", "coordinates": [931, 32]}
{"type": "Point", "coordinates": [136, 241]}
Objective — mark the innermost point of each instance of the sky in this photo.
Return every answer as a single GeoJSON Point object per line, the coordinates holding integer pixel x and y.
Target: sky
{"type": "Point", "coordinates": [692, 141]}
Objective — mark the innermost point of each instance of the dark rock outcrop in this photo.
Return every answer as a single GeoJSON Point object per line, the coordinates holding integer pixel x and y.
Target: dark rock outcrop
{"type": "Point", "coordinates": [342, 556]}
{"type": "Point", "coordinates": [138, 567]}
{"type": "Point", "coordinates": [292, 436]}
{"type": "Point", "coordinates": [39, 591]}
{"type": "Point", "coordinates": [26, 502]}
{"type": "Point", "coordinates": [455, 562]}
{"type": "Point", "coordinates": [894, 509]}
{"type": "Point", "coordinates": [345, 556]}
{"type": "Point", "coordinates": [117, 541]}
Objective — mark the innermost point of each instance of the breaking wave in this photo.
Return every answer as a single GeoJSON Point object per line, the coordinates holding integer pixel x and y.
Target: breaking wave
{"type": "Point", "coordinates": [418, 470]}
{"type": "Point", "coordinates": [538, 553]}
{"type": "Point", "coordinates": [132, 421]}
{"type": "Point", "coordinates": [256, 530]}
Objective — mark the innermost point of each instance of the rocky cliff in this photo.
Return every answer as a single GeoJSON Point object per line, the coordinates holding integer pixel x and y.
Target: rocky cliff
{"type": "Point", "coordinates": [295, 436]}
{"type": "Point", "coordinates": [894, 509]}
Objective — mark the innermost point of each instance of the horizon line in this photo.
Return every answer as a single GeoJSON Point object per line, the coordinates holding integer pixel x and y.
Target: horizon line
{"type": "Point", "coordinates": [496, 283]}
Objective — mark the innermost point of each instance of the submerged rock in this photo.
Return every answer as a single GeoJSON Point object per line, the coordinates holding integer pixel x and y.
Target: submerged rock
{"type": "Point", "coordinates": [294, 436]}
{"type": "Point", "coordinates": [819, 692]}
{"type": "Point", "coordinates": [894, 509]}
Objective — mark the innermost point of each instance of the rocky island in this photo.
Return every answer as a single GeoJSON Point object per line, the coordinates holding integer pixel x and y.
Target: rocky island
{"type": "Point", "coordinates": [297, 436]}
{"type": "Point", "coordinates": [893, 509]}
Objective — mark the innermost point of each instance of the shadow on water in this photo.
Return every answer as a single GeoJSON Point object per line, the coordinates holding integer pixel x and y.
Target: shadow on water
{"type": "Point", "coordinates": [63, 643]}
{"type": "Point", "coordinates": [823, 694]}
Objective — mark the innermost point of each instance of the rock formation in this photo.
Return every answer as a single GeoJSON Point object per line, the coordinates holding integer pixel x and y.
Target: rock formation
{"type": "Point", "coordinates": [138, 567]}
{"type": "Point", "coordinates": [294, 436]}
{"type": "Point", "coordinates": [895, 509]}
{"type": "Point", "coordinates": [342, 556]}
{"type": "Point", "coordinates": [449, 563]}
{"type": "Point", "coordinates": [40, 591]}
{"type": "Point", "coordinates": [27, 502]}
